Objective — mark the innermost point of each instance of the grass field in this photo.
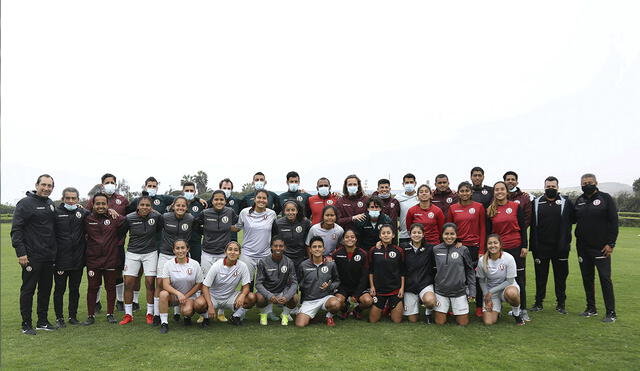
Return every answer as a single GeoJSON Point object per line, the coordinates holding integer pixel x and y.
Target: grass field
{"type": "Point", "coordinates": [550, 340]}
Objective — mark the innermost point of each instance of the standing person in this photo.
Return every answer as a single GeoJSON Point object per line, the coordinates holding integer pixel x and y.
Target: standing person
{"type": "Point", "coordinates": [496, 273]}
{"type": "Point", "coordinates": [419, 279]}
{"type": "Point", "coordinates": [70, 256]}
{"type": "Point", "coordinates": [33, 236]}
{"type": "Point", "coordinates": [328, 230]}
{"type": "Point", "coordinates": [276, 282]}
{"type": "Point", "coordinates": [226, 185]}
{"type": "Point", "coordinates": [293, 228]}
{"type": "Point", "coordinates": [103, 255]}
{"type": "Point", "coordinates": [427, 214]}
{"type": "Point", "coordinates": [195, 207]}
{"type": "Point", "coordinates": [549, 241]}
{"type": "Point", "coordinates": [386, 277]}
{"type": "Point", "coordinates": [390, 206]}
{"type": "Point", "coordinates": [506, 218]}
{"type": "Point", "coordinates": [517, 195]}
{"type": "Point", "coordinates": [407, 200]}
{"type": "Point", "coordinates": [443, 196]}
{"type": "Point", "coordinates": [353, 270]}
{"type": "Point", "coordinates": [259, 182]}
{"type": "Point", "coordinates": [294, 193]}
{"type": "Point", "coordinates": [160, 202]}
{"type": "Point", "coordinates": [596, 221]}
{"type": "Point", "coordinates": [481, 193]}
{"type": "Point", "coordinates": [455, 279]}
{"type": "Point", "coordinates": [367, 230]}
{"type": "Point", "coordinates": [323, 198]}
{"type": "Point", "coordinates": [318, 281]}
{"type": "Point", "coordinates": [352, 206]}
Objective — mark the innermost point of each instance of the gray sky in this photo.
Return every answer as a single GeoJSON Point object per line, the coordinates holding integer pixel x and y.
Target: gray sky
{"type": "Point", "coordinates": [141, 88]}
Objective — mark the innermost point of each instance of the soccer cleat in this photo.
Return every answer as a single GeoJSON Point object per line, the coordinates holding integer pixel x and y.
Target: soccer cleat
{"type": "Point", "coordinates": [176, 317]}
{"type": "Point", "coordinates": [525, 315]}
{"type": "Point", "coordinates": [284, 319]}
{"type": "Point", "coordinates": [27, 329]}
{"type": "Point", "coordinates": [537, 307]}
{"type": "Point", "coordinates": [186, 321]}
{"type": "Point", "coordinates": [236, 321]}
{"type": "Point", "coordinates": [126, 319]}
{"type": "Point", "coordinates": [164, 328]}
{"type": "Point", "coordinates": [519, 320]}
{"type": "Point", "coordinates": [330, 322]}
{"type": "Point", "coordinates": [111, 319]}
{"type": "Point", "coordinates": [204, 323]}
{"type": "Point", "coordinates": [357, 313]}
{"type": "Point", "coordinates": [136, 307]}
{"type": "Point", "coordinates": [479, 312]}
{"type": "Point", "coordinates": [561, 309]}
{"type": "Point", "coordinates": [90, 321]}
{"type": "Point", "coordinates": [46, 326]}
{"type": "Point", "coordinates": [149, 318]}
{"type": "Point", "coordinates": [98, 307]}
{"type": "Point", "coordinates": [343, 315]}
{"type": "Point", "coordinates": [589, 312]}
{"type": "Point", "coordinates": [120, 306]}
{"type": "Point", "coordinates": [610, 317]}
{"type": "Point", "coordinates": [273, 317]}
{"type": "Point", "coordinates": [73, 321]}
{"type": "Point", "coordinates": [427, 319]}
{"type": "Point", "coordinates": [60, 323]}
{"type": "Point", "coordinates": [222, 318]}
{"type": "Point", "coordinates": [156, 321]}
{"type": "Point", "coordinates": [263, 319]}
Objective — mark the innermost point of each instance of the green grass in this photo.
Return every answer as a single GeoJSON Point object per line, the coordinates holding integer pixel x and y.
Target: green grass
{"type": "Point", "coordinates": [550, 340]}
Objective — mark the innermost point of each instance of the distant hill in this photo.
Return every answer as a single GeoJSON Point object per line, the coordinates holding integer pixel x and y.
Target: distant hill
{"type": "Point", "coordinates": [609, 187]}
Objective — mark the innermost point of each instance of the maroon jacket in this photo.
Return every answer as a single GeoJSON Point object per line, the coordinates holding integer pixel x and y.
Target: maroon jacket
{"type": "Point", "coordinates": [103, 241]}
{"type": "Point", "coordinates": [444, 199]}
{"type": "Point", "coordinates": [348, 207]}
{"type": "Point", "coordinates": [524, 200]}
{"type": "Point", "coordinates": [116, 202]}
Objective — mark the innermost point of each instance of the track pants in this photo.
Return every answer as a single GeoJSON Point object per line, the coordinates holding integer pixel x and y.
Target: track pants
{"type": "Point", "coordinates": [590, 259]}
{"type": "Point", "coordinates": [38, 274]}
{"type": "Point", "coordinates": [560, 273]}
{"type": "Point", "coordinates": [60, 277]}
{"type": "Point", "coordinates": [521, 278]}
{"type": "Point", "coordinates": [95, 279]}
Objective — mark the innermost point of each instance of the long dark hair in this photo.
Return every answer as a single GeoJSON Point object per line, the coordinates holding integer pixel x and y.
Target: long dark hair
{"type": "Point", "coordinates": [345, 192]}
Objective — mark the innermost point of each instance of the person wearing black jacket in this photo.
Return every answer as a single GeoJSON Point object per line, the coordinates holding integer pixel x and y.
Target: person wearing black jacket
{"type": "Point", "coordinates": [70, 256]}
{"type": "Point", "coordinates": [419, 280]}
{"type": "Point", "coordinates": [596, 219]}
{"type": "Point", "coordinates": [33, 236]}
{"type": "Point", "coordinates": [549, 241]}
{"type": "Point", "coordinates": [481, 193]}
{"type": "Point", "coordinates": [293, 228]}
{"type": "Point", "coordinates": [368, 228]}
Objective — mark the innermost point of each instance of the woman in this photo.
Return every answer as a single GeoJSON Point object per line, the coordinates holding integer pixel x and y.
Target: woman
{"type": "Point", "coordinates": [293, 228]}
{"type": "Point", "coordinates": [217, 224]}
{"type": "Point", "coordinates": [352, 206]}
{"type": "Point", "coordinates": [367, 230]}
{"type": "Point", "coordinates": [353, 270]}
{"type": "Point", "coordinates": [142, 226]}
{"type": "Point", "coordinates": [496, 273]}
{"type": "Point", "coordinates": [219, 287]}
{"type": "Point", "coordinates": [470, 218]}
{"type": "Point", "coordinates": [427, 214]}
{"type": "Point", "coordinates": [318, 281]}
{"type": "Point", "coordinates": [419, 277]}
{"type": "Point", "coordinates": [506, 219]}
{"type": "Point", "coordinates": [328, 230]}
{"type": "Point", "coordinates": [182, 278]}
{"type": "Point", "coordinates": [386, 277]}
{"type": "Point", "coordinates": [455, 277]}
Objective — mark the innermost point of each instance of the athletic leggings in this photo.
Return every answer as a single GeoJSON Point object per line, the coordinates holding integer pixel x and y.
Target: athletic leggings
{"type": "Point", "coordinates": [95, 279]}
{"type": "Point", "coordinates": [60, 279]}
{"type": "Point", "coordinates": [521, 278]}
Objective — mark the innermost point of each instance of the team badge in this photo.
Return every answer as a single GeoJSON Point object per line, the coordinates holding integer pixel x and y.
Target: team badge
{"type": "Point", "coordinates": [501, 267]}
{"type": "Point", "coordinates": [334, 236]}
{"type": "Point", "coordinates": [78, 214]}
{"type": "Point", "coordinates": [596, 202]}
{"type": "Point", "coordinates": [357, 258]}
{"type": "Point", "coordinates": [379, 225]}
{"type": "Point", "coordinates": [329, 202]}
{"type": "Point", "coordinates": [118, 201]}
{"type": "Point", "coordinates": [375, 299]}
{"type": "Point", "coordinates": [558, 202]}
{"type": "Point", "coordinates": [360, 204]}
{"type": "Point", "coordinates": [156, 202]}
{"type": "Point", "coordinates": [107, 222]}
{"type": "Point", "coordinates": [190, 271]}
{"type": "Point", "coordinates": [168, 208]}
{"type": "Point", "coordinates": [422, 249]}
{"type": "Point", "coordinates": [60, 273]}
{"type": "Point", "coordinates": [91, 273]}
{"type": "Point", "coordinates": [579, 259]}
{"type": "Point", "coordinates": [484, 191]}
{"type": "Point", "coordinates": [324, 269]}
{"type": "Point", "coordinates": [455, 255]}
{"type": "Point", "coordinates": [392, 254]}
{"type": "Point", "coordinates": [264, 217]}
{"type": "Point", "coordinates": [538, 261]}
{"type": "Point", "coordinates": [430, 215]}
{"type": "Point", "coordinates": [151, 221]}
{"type": "Point", "coordinates": [449, 200]}
{"type": "Point", "coordinates": [299, 229]}
{"type": "Point", "coordinates": [517, 201]}
{"type": "Point", "coordinates": [299, 198]}
{"type": "Point", "coordinates": [235, 274]}
{"type": "Point", "coordinates": [52, 208]}
{"type": "Point", "coordinates": [472, 211]}
{"type": "Point", "coordinates": [284, 269]}
{"type": "Point", "coordinates": [225, 219]}
{"type": "Point", "coordinates": [28, 268]}
{"type": "Point", "coordinates": [195, 208]}
{"type": "Point", "coordinates": [231, 202]}
{"type": "Point", "coordinates": [184, 227]}
{"type": "Point", "coordinates": [509, 210]}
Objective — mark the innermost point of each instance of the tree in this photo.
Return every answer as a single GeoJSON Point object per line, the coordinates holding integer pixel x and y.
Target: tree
{"type": "Point", "coordinates": [96, 188]}
{"type": "Point", "coordinates": [636, 186]}
{"type": "Point", "coordinates": [200, 179]}
{"type": "Point", "coordinates": [246, 189]}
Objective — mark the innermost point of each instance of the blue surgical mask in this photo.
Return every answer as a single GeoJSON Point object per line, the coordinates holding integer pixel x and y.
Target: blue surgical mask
{"type": "Point", "coordinates": [109, 188]}
{"type": "Point", "coordinates": [409, 187]}
{"type": "Point", "coordinates": [384, 196]}
{"type": "Point", "coordinates": [258, 185]}
{"type": "Point", "coordinates": [323, 191]}
{"type": "Point", "coordinates": [70, 207]}
{"type": "Point", "coordinates": [352, 190]}
{"type": "Point", "coordinates": [293, 187]}
{"type": "Point", "coordinates": [152, 191]}
{"type": "Point", "coordinates": [514, 189]}
{"type": "Point", "coordinates": [374, 214]}
{"type": "Point", "coordinates": [189, 195]}
{"type": "Point", "coordinates": [227, 192]}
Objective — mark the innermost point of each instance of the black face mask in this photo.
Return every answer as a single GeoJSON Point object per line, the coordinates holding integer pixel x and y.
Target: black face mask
{"type": "Point", "coordinates": [551, 193]}
{"type": "Point", "coordinates": [589, 189]}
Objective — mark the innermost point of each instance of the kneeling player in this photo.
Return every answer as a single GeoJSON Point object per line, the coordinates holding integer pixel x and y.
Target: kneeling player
{"type": "Point", "coordinates": [419, 280]}
{"type": "Point", "coordinates": [386, 277]}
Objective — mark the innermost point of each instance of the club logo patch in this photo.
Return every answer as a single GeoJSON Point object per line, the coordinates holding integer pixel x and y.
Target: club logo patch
{"type": "Point", "coordinates": [579, 259]}
{"type": "Point", "coordinates": [472, 211]}
{"type": "Point", "coordinates": [151, 221]}
{"type": "Point", "coordinates": [156, 202]}
{"type": "Point", "coordinates": [392, 254]}
{"type": "Point", "coordinates": [231, 202]}
{"type": "Point", "coordinates": [329, 202]}
{"type": "Point", "coordinates": [357, 258]}
{"type": "Point", "coordinates": [284, 269]}
{"type": "Point", "coordinates": [501, 267]}
{"type": "Point", "coordinates": [29, 268]}
{"type": "Point", "coordinates": [538, 261]}
{"type": "Point", "coordinates": [299, 229]}
{"type": "Point", "coordinates": [78, 214]}
{"type": "Point", "coordinates": [190, 271]}
{"type": "Point", "coordinates": [430, 215]}
{"type": "Point", "coordinates": [558, 202]}
{"type": "Point", "coordinates": [118, 201]}
{"type": "Point", "coordinates": [449, 200]}
{"type": "Point", "coordinates": [225, 219]}
{"type": "Point", "coordinates": [107, 222]}
{"type": "Point", "coordinates": [235, 274]}
{"type": "Point", "coordinates": [509, 210]}
{"type": "Point", "coordinates": [375, 299]}
{"type": "Point", "coordinates": [195, 208]}
{"type": "Point", "coordinates": [484, 191]}
{"type": "Point", "coordinates": [360, 204]}
{"type": "Point", "coordinates": [393, 205]}
{"type": "Point", "coordinates": [91, 273]}
{"type": "Point", "coordinates": [52, 208]}
{"type": "Point", "coordinates": [184, 227]}
{"type": "Point", "coordinates": [299, 198]}
{"type": "Point", "coordinates": [455, 255]}
{"type": "Point", "coordinates": [324, 269]}
{"type": "Point", "coordinates": [596, 202]}
{"type": "Point", "coordinates": [334, 236]}
{"type": "Point", "coordinates": [60, 273]}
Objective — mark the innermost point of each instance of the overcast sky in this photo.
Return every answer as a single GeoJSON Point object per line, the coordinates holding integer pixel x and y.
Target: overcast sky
{"type": "Point", "coordinates": [329, 88]}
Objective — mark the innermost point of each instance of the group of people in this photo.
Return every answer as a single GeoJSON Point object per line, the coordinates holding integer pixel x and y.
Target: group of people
{"type": "Point", "coordinates": [337, 252]}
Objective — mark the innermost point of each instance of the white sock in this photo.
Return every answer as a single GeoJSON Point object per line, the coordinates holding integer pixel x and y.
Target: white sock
{"type": "Point", "coordinates": [120, 292]}
{"type": "Point", "coordinates": [156, 306]}
{"type": "Point", "coordinates": [286, 310]}
{"type": "Point", "coordinates": [329, 315]}
{"type": "Point", "coordinates": [136, 295]}
{"type": "Point", "coordinates": [239, 312]}
{"type": "Point", "coordinates": [176, 309]}
{"type": "Point", "coordinates": [149, 308]}
{"type": "Point", "coordinates": [221, 311]}
{"type": "Point", "coordinates": [205, 315]}
{"type": "Point", "coordinates": [515, 310]}
{"type": "Point", "coordinates": [428, 311]}
{"type": "Point", "coordinates": [98, 295]}
{"type": "Point", "coordinates": [128, 309]}
{"type": "Point", "coordinates": [267, 309]}
{"type": "Point", "coordinates": [164, 317]}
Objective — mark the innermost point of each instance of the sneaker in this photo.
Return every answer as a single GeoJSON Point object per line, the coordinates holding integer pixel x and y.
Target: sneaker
{"type": "Point", "coordinates": [73, 321]}
{"type": "Point", "coordinates": [427, 319]}
{"type": "Point", "coordinates": [479, 312]}
{"type": "Point", "coordinates": [330, 322]}
{"type": "Point", "coordinates": [525, 315]}
{"type": "Point", "coordinates": [222, 318]}
{"type": "Point", "coordinates": [284, 319]}
{"type": "Point", "coordinates": [90, 321]}
{"type": "Point", "coordinates": [126, 319]}
{"type": "Point", "coordinates": [186, 321]}
{"type": "Point", "coordinates": [27, 329]}
{"type": "Point", "coordinates": [176, 317]}
{"type": "Point", "coordinates": [120, 306]}
{"type": "Point", "coordinates": [560, 309]}
{"type": "Point", "coordinates": [263, 319]}
{"type": "Point", "coordinates": [46, 326]}
{"type": "Point", "coordinates": [357, 313]}
{"type": "Point", "coordinates": [273, 317]}
{"type": "Point", "coordinates": [136, 307]}
{"type": "Point", "coordinates": [149, 318]}
{"type": "Point", "coordinates": [537, 307]}
{"type": "Point", "coordinates": [111, 319]}
{"type": "Point", "coordinates": [343, 315]}
{"type": "Point", "coordinates": [156, 321]}
{"type": "Point", "coordinates": [610, 317]}
{"type": "Point", "coordinates": [98, 307]}
{"type": "Point", "coordinates": [236, 321]}
{"type": "Point", "coordinates": [60, 323]}
{"type": "Point", "coordinates": [200, 319]}
{"type": "Point", "coordinates": [519, 320]}
{"type": "Point", "coordinates": [164, 328]}
{"type": "Point", "coordinates": [204, 323]}
{"type": "Point", "coordinates": [589, 312]}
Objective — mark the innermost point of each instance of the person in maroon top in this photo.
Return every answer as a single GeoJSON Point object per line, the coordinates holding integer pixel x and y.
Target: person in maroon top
{"type": "Point", "coordinates": [386, 277]}
{"type": "Point", "coordinates": [516, 194]}
{"type": "Point", "coordinates": [103, 255]}
{"type": "Point", "coordinates": [427, 214]}
{"type": "Point", "coordinates": [352, 205]}
{"type": "Point", "coordinates": [506, 218]}
{"type": "Point", "coordinates": [324, 197]}
{"type": "Point", "coordinates": [390, 206]}
{"type": "Point", "coordinates": [443, 196]}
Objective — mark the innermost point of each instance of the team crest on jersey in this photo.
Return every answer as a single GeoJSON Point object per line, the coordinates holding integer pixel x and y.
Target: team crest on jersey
{"type": "Point", "coordinates": [225, 219]}
{"type": "Point", "coordinates": [284, 269]}
{"type": "Point", "coordinates": [184, 227]}
{"type": "Point", "coordinates": [190, 271]}
{"type": "Point", "coordinates": [156, 202]}
{"type": "Point", "coordinates": [501, 267]}
{"type": "Point", "coordinates": [449, 200]}
{"type": "Point", "coordinates": [231, 202]}
{"type": "Point", "coordinates": [118, 201]}
{"type": "Point", "coordinates": [596, 202]}
{"type": "Point", "coordinates": [195, 208]}
{"type": "Point", "coordinates": [430, 215]}
{"type": "Point", "coordinates": [393, 205]}
{"type": "Point", "coordinates": [357, 258]}
{"type": "Point", "coordinates": [375, 299]}
{"type": "Point", "coordinates": [579, 259]}
{"type": "Point", "coordinates": [455, 255]}
{"type": "Point", "coordinates": [235, 274]}
{"type": "Point", "coordinates": [334, 236]}
{"type": "Point", "coordinates": [538, 261]}
{"type": "Point", "coordinates": [52, 208]}
{"type": "Point", "coordinates": [28, 268]}
{"type": "Point", "coordinates": [78, 214]}
{"type": "Point", "coordinates": [379, 225]}
{"type": "Point", "coordinates": [60, 273]}
{"type": "Point", "coordinates": [509, 210]}
{"type": "Point", "coordinates": [472, 211]}
{"type": "Point", "coordinates": [299, 229]}
{"type": "Point", "coordinates": [329, 202]}
{"type": "Point", "coordinates": [324, 269]}
{"type": "Point", "coordinates": [392, 254]}
{"type": "Point", "coordinates": [264, 217]}
{"type": "Point", "coordinates": [299, 198]}
{"type": "Point", "coordinates": [91, 273]}
{"type": "Point", "coordinates": [484, 191]}
{"type": "Point", "coordinates": [360, 204]}
{"type": "Point", "coordinates": [422, 249]}
{"type": "Point", "coordinates": [517, 201]}
{"type": "Point", "coordinates": [107, 222]}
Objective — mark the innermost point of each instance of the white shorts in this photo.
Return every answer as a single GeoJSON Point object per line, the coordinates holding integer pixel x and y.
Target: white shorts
{"type": "Point", "coordinates": [163, 258]}
{"type": "Point", "coordinates": [497, 298]}
{"type": "Point", "coordinates": [252, 264]}
{"type": "Point", "coordinates": [133, 261]}
{"type": "Point", "coordinates": [207, 260]}
{"type": "Point", "coordinates": [412, 301]}
{"type": "Point", "coordinates": [459, 305]}
{"type": "Point", "coordinates": [311, 307]}
{"type": "Point", "coordinates": [225, 304]}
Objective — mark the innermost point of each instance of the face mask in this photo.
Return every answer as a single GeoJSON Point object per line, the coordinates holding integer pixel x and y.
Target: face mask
{"type": "Point", "coordinates": [384, 196]}
{"type": "Point", "coordinates": [374, 214]}
{"type": "Point", "coordinates": [227, 192]}
{"type": "Point", "coordinates": [109, 189]}
{"type": "Point", "coordinates": [551, 193]}
{"type": "Point", "coordinates": [589, 188]}
{"type": "Point", "coordinates": [258, 185]}
{"type": "Point", "coordinates": [323, 191]}
{"type": "Point", "coordinates": [352, 190]}
{"type": "Point", "coordinates": [70, 207]}
{"type": "Point", "coordinates": [152, 191]}
{"type": "Point", "coordinates": [293, 187]}
{"type": "Point", "coordinates": [189, 195]}
{"type": "Point", "coordinates": [515, 189]}
{"type": "Point", "coordinates": [409, 187]}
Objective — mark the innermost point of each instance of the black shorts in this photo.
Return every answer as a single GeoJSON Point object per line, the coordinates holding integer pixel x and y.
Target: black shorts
{"type": "Point", "coordinates": [390, 300]}
{"type": "Point", "coordinates": [350, 291]}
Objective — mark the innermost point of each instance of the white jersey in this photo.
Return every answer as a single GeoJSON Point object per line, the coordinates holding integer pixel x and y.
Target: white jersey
{"type": "Point", "coordinates": [331, 237]}
{"type": "Point", "coordinates": [182, 276]}
{"type": "Point", "coordinates": [498, 270]}
{"type": "Point", "coordinates": [223, 280]}
{"type": "Point", "coordinates": [257, 232]}
{"type": "Point", "coordinates": [406, 202]}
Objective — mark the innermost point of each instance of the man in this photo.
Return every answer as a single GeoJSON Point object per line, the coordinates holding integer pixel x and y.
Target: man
{"type": "Point", "coordinates": [390, 206]}
{"type": "Point", "coordinates": [295, 194]}
{"type": "Point", "coordinates": [516, 195]}
{"type": "Point", "coordinates": [596, 221]}
{"type": "Point", "coordinates": [550, 240]}
{"type": "Point", "coordinates": [482, 194]}
{"type": "Point", "coordinates": [319, 201]}
{"type": "Point", "coordinates": [226, 185]}
{"type": "Point", "coordinates": [443, 196]}
{"type": "Point", "coordinates": [33, 236]}
{"type": "Point", "coordinates": [160, 203]}
{"type": "Point", "coordinates": [407, 200]}
{"type": "Point", "coordinates": [195, 208]}
{"type": "Point", "coordinates": [259, 182]}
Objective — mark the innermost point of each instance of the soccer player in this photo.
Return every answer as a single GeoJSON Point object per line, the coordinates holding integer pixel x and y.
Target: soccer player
{"type": "Point", "coordinates": [481, 193]}
{"type": "Point", "coordinates": [515, 194]}
{"type": "Point", "coordinates": [353, 270]}
{"type": "Point", "coordinates": [443, 196]}
{"type": "Point", "coordinates": [226, 185]}
{"type": "Point", "coordinates": [293, 228]}
{"type": "Point", "coordinates": [596, 232]}
{"type": "Point", "coordinates": [549, 241]}
{"type": "Point", "coordinates": [259, 182]}
{"type": "Point", "coordinates": [328, 230]}
{"type": "Point", "coordinates": [160, 202]}
{"type": "Point", "coordinates": [352, 206]}
{"type": "Point", "coordinates": [386, 277]}
{"type": "Point", "coordinates": [318, 282]}
{"type": "Point", "coordinates": [367, 229]}
{"type": "Point", "coordinates": [427, 214]}
{"type": "Point", "coordinates": [418, 259]}
{"type": "Point", "coordinates": [455, 280]}
{"type": "Point", "coordinates": [33, 236]}
{"type": "Point", "coordinates": [70, 256]}
{"type": "Point", "coordinates": [217, 224]}
{"type": "Point", "coordinates": [407, 200]}
{"type": "Point", "coordinates": [276, 283]}
{"type": "Point", "coordinates": [181, 279]}
{"type": "Point", "coordinates": [323, 198]}
{"type": "Point", "coordinates": [390, 206]}
{"type": "Point", "coordinates": [295, 194]}
{"type": "Point", "coordinates": [195, 208]}
{"type": "Point", "coordinates": [496, 273]}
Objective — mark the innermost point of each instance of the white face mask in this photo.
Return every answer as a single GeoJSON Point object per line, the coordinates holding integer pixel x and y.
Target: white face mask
{"type": "Point", "coordinates": [152, 191]}
{"type": "Point", "coordinates": [409, 187]}
{"type": "Point", "coordinates": [109, 188]}
{"type": "Point", "coordinates": [384, 196]}
{"type": "Point", "coordinates": [258, 185]}
{"type": "Point", "coordinates": [293, 187]}
{"type": "Point", "coordinates": [227, 193]}
{"type": "Point", "coordinates": [323, 191]}
{"type": "Point", "coordinates": [189, 195]}
{"type": "Point", "coordinates": [70, 207]}
{"type": "Point", "coordinates": [352, 190]}
{"type": "Point", "coordinates": [374, 214]}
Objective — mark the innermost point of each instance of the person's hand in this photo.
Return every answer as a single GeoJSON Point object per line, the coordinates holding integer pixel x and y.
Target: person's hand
{"type": "Point", "coordinates": [212, 313]}
{"type": "Point", "coordinates": [378, 244]}
{"type": "Point", "coordinates": [325, 285]}
{"type": "Point", "coordinates": [471, 298]}
{"type": "Point", "coordinates": [23, 260]}
{"type": "Point", "coordinates": [372, 291]}
{"type": "Point", "coordinates": [328, 258]}
{"type": "Point", "coordinates": [487, 297]}
{"type": "Point", "coordinates": [113, 214]}
{"type": "Point", "coordinates": [458, 245]}
{"type": "Point", "coordinates": [607, 250]}
{"type": "Point", "coordinates": [359, 217]}
{"type": "Point", "coordinates": [401, 293]}
{"type": "Point", "coordinates": [273, 300]}
{"type": "Point", "coordinates": [239, 301]}
{"type": "Point", "coordinates": [282, 300]}
{"type": "Point", "coordinates": [181, 298]}
{"type": "Point", "coordinates": [523, 253]}
{"type": "Point", "coordinates": [336, 194]}
{"type": "Point", "coordinates": [204, 203]}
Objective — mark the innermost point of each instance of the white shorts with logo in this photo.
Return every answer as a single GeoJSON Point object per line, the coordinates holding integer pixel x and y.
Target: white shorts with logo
{"type": "Point", "coordinates": [148, 261]}
{"type": "Point", "coordinates": [498, 298]}
{"type": "Point", "coordinates": [163, 258]}
{"type": "Point", "coordinates": [412, 301]}
{"type": "Point", "coordinates": [225, 304]}
{"type": "Point", "coordinates": [459, 305]}
{"type": "Point", "coordinates": [207, 260]}
{"type": "Point", "coordinates": [311, 307]}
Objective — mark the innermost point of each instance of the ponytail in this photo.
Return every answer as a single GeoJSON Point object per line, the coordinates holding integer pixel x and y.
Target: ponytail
{"type": "Point", "coordinates": [492, 210]}
{"type": "Point", "coordinates": [485, 257]}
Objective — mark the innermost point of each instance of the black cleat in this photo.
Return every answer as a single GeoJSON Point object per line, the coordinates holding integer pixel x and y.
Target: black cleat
{"type": "Point", "coordinates": [589, 312]}
{"type": "Point", "coordinates": [610, 317]}
{"type": "Point", "coordinates": [519, 320]}
{"type": "Point", "coordinates": [111, 319]}
{"type": "Point", "coordinates": [136, 307]}
{"type": "Point", "coordinates": [60, 323]}
{"type": "Point", "coordinates": [561, 309]}
{"type": "Point", "coordinates": [98, 307]}
{"type": "Point", "coordinates": [120, 306]}
{"type": "Point", "coordinates": [90, 321]}
{"type": "Point", "coordinates": [164, 328]}
{"type": "Point", "coordinates": [27, 329]}
{"type": "Point", "coordinates": [205, 323]}
{"type": "Point", "coordinates": [537, 307]}
{"type": "Point", "coordinates": [46, 326]}
{"type": "Point", "coordinates": [236, 321]}
{"type": "Point", "coordinates": [427, 319]}
{"type": "Point", "coordinates": [74, 321]}
{"type": "Point", "coordinates": [176, 317]}
{"type": "Point", "coordinates": [156, 321]}
{"type": "Point", "coordinates": [186, 321]}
